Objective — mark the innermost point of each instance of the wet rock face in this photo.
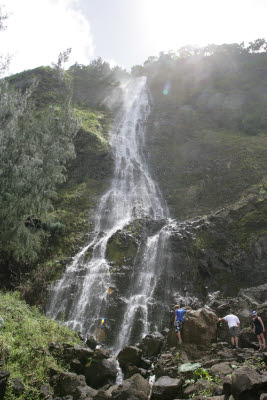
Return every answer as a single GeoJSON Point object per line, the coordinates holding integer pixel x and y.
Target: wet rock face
{"type": "Point", "coordinates": [151, 344]}
{"type": "Point", "coordinates": [218, 253]}
{"type": "Point", "coordinates": [129, 356]}
{"type": "Point", "coordinates": [100, 372]}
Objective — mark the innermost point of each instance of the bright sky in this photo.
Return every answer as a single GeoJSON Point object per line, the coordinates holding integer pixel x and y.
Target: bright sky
{"type": "Point", "coordinates": [124, 32]}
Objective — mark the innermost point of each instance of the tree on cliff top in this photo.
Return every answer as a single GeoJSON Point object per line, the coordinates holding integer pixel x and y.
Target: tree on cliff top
{"type": "Point", "coordinates": [34, 147]}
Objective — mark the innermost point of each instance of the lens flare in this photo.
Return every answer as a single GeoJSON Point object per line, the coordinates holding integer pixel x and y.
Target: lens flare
{"type": "Point", "coordinates": [166, 88]}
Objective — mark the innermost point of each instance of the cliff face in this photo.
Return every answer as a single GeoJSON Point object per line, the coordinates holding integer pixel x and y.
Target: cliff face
{"type": "Point", "coordinates": [210, 167]}
{"type": "Point", "coordinates": [199, 168]}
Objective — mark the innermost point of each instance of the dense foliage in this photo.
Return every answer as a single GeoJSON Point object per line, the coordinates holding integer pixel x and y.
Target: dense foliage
{"type": "Point", "coordinates": [221, 85]}
{"type": "Point", "coordinates": [34, 147]}
{"type": "Point", "coordinates": [24, 341]}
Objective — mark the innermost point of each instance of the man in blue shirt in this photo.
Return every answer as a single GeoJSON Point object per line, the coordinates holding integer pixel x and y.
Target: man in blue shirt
{"type": "Point", "coordinates": [179, 320]}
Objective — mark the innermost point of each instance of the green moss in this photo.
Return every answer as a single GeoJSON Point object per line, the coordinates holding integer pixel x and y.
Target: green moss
{"type": "Point", "coordinates": [24, 342]}
{"type": "Point", "coordinates": [93, 124]}
{"type": "Point", "coordinates": [206, 240]}
{"type": "Point", "coordinates": [251, 225]}
{"type": "Point", "coordinates": [121, 248]}
{"type": "Point", "coordinates": [203, 168]}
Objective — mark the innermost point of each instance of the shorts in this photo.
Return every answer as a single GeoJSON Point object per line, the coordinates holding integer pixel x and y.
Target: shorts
{"type": "Point", "coordinates": [234, 331]}
{"type": "Point", "coordinates": [258, 331]}
{"type": "Point", "coordinates": [178, 326]}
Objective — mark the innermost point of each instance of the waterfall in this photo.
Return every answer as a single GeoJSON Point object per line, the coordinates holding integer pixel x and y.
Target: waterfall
{"type": "Point", "coordinates": [82, 295]}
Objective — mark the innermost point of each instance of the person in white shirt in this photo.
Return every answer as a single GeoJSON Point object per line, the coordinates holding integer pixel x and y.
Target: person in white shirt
{"type": "Point", "coordinates": [234, 327]}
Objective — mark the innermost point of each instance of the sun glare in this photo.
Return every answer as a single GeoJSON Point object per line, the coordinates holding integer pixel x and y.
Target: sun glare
{"type": "Point", "coordinates": [171, 24]}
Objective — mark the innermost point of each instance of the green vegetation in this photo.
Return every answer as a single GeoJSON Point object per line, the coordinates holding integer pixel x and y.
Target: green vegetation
{"type": "Point", "coordinates": [24, 344]}
{"type": "Point", "coordinates": [121, 248]}
{"type": "Point", "coordinates": [208, 124]}
{"type": "Point", "coordinates": [72, 217]}
{"type": "Point", "coordinates": [202, 373]}
{"type": "Point", "coordinates": [35, 147]}
{"type": "Point", "coordinates": [123, 245]}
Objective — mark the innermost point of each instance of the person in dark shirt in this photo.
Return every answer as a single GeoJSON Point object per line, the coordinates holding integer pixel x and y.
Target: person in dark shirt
{"type": "Point", "coordinates": [179, 320]}
{"type": "Point", "coordinates": [259, 329]}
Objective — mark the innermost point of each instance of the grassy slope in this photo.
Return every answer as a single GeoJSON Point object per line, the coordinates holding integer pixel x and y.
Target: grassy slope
{"type": "Point", "coordinates": [24, 341]}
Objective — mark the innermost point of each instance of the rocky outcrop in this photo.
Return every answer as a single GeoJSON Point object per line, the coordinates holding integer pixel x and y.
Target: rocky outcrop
{"type": "Point", "coordinates": [248, 384]}
{"type": "Point", "coordinates": [67, 383]}
{"type": "Point", "coordinates": [135, 388]}
{"type": "Point", "coordinates": [151, 344]}
{"type": "Point", "coordinates": [166, 388]}
{"type": "Point", "coordinates": [200, 327]}
{"type": "Point", "coordinates": [18, 386]}
{"type": "Point", "coordinates": [129, 356]}
{"type": "Point", "coordinates": [201, 386]}
{"type": "Point", "coordinates": [221, 369]}
{"type": "Point", "coordinates": [100, 372]}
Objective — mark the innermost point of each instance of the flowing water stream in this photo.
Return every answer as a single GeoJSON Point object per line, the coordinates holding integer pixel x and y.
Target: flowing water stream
{"type": "Point", "coordinates": [81, 296]}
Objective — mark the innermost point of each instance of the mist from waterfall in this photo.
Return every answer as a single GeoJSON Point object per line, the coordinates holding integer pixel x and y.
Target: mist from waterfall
{"type": "Point", "coordinates": [82, 295]}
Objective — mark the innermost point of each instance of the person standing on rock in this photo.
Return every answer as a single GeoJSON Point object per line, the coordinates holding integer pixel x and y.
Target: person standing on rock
{"type": "Point", "coordinates": [234, 327]}
{"type": "Point", "coordinates": [259, 329]}
{"type": "Point", "coordinates": [179, 320]}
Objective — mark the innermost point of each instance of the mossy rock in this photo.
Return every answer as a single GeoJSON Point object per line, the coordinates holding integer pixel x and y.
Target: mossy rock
{"type": "Point", "coordinates": [121, 248]}
{"type": "Point", "coordinates": [123, 245]}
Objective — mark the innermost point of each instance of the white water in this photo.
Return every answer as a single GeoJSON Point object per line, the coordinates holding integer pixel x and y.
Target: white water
{"type": "Point", "coordinates": [81, 295]}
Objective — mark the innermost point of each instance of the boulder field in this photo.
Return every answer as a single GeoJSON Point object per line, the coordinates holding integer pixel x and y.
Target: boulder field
{"type": "Point", "coordinates": [204, 366]}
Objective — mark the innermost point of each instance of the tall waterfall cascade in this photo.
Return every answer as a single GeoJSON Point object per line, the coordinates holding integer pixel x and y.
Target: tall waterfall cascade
{"type": "Point", "coordinates": [83, 296]}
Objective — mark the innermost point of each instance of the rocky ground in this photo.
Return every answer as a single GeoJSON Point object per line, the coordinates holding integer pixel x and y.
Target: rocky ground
{"type": "Point", "coordinates": [204, 366]}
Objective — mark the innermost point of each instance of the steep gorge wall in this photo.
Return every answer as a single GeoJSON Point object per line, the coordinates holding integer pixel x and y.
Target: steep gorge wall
{"type": "Point", "coordinates": [199, 168]}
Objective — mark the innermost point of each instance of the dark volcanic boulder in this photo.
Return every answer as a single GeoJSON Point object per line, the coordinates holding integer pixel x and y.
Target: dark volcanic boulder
{"type": "Point", "coordinates": [248, 338]}
{"type": "Point", "coordinates": [248, 384]}
{"type": "Point", "coordinates": [84, 392]}
{"type": "Point", "coordinates": [129, 356]}
{"type": "Point", "coordinates": [221, 369]}
{"type": "Point", "coordinates": [203, 385]}
{"type": "Point", "coordinates": [68, 383]}
{"type": "Point", "coordinates": [151, 344]}
{"type": "Point", "coordinates": [79, 353]}
{"type": "Point", "coordinates": [134, 388]}
{"type": "Point", "coordinates": [46, 392]}
{"type": "Point", "coordinates": [200, 327]}
{"type": "Point", "coordinates": [101, 372]}
{"type": "Point", "coordinates": [210, 398]}
{"type": "Point", "coordinates": [91, 342]}
{"type": "Point", "coordinates": [166, 388]}
{"type": "Point", "coordinates": [3, 382]}
{"type": "Point", "coordinates": [18, 386]}
{"type": "Point", "coordinates": [166, 366]}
